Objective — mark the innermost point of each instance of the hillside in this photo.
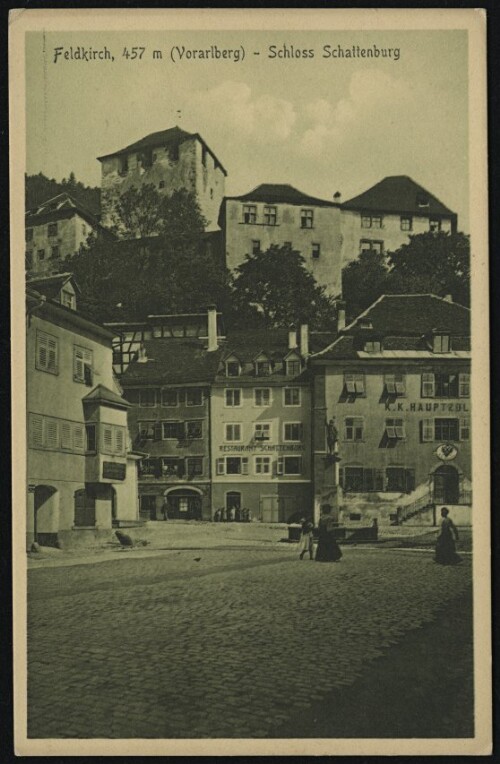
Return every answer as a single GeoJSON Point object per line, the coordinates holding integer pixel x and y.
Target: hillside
{"type": "Point", "coordinates": [39, 188]}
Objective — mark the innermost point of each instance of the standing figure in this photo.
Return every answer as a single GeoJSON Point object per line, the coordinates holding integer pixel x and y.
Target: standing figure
{"type": "Point", "coordinates": [231, 515]}
{"type": "Point", "coordinates": [445, 546]}
{"type": "Point", "coordinates": [222, 515]}
{"type": "Point", "coordinates": [332, 436]}
{"type": "Point", "coordinates": [306, 538]}
{"type": "Point", "coordinates": [328, 550]}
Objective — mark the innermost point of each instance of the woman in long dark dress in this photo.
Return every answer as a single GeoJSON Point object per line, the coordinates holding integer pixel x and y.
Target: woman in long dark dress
{"type": "Point", "coordinates": [328, 550]}
{"type": "Point", "coordinates": [446, 553]}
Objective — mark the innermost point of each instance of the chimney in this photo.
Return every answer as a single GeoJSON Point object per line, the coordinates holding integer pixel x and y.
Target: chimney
{"type": "Point", "coordinates": [142, 357]}
{"type": "Point", "coordinates": [292, 337]}
{"type": "Point", "coordinates": [212, 328]}
{"type": "Point", "coordinates": [337, 197]}
{"type": "Point", "coordinates": [340, 316]}
{"type": "Point", "coordinates": [304, 340]}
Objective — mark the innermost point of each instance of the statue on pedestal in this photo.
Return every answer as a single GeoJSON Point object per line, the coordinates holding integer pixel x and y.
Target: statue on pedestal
{"type": "Point", "coordinates": [332, 436]}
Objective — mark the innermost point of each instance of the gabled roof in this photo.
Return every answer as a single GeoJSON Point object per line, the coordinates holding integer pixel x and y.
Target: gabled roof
{"type": "Point", "coordinates": [398, 194]}
{"type": "Point", "coordinates": [102, 394]}
{"type": "Point", "coordinates": [173, 136]}
{"type": "Point", "coordinates": [59, 207]}
{"type": "Point", "coordinates": [50, 286]}
{"type": "Point", "coordinates": [281, 193]}
{"type": "Point", "coordinates": [404, 323]}
{"type": "Point", "coordinates": [173, 361]}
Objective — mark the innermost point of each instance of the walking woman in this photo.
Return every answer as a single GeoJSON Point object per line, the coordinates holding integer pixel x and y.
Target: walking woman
{"type": "Point", "coordinates": [328, 550]}
{"type": "Point", "coordinates": [306, 538]}
{"type": "Point", "coordinates": [446, 553]}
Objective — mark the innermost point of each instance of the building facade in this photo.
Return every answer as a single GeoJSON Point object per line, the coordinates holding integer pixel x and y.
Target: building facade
{"type": "Point", "coordinates": [170, 160]}
{"type": "Point", "coordinates": [382, 218]}
{"type": "Point", "coordinates": [82, 473]}
{"type": "Point", "coordinates": [54, 231]}
{"type": "Point", "coordinates": [274, 214]}
{"type": "Point", "coordinates": [396, 384]}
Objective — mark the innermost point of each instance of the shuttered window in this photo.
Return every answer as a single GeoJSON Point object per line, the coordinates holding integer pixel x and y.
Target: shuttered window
{"type": "Point", "coordinates": [119, 440]}
{"type": "Point", "coordinates": [82, 365]}
{"type": "Point", "coordinates": [37, 431]}
{"type": "Point", "coordinates": [428, 385]}
{"type": "Point", "coordinates": [51, 434]}
{"type": "Point", "coordinates": [66, 439]}
{"type": "Point", "coordinates": [79, 438]}
{"type": "Point", "coordinates": [427, 430]}
{"type": "Point", "coordinates": [46, 352]}
{"type": "Point", "coordinates": [107, 439]}
{"type": "Point", "coordinates": [464, 385]}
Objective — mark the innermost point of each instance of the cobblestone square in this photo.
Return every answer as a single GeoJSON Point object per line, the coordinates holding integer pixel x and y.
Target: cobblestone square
{"type": "Point", "coordinates": [241, 642]}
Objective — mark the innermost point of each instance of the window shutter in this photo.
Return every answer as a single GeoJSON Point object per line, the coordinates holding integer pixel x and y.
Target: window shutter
{"type": "Point", "coordinates": [410, 480]}
{"type": "Point", "coordinates": [107, 439]}
{"type": "Point", "coordinates": [42, 351]}
{"type": "Point", "coordinates": [220, 466]}
{"type": "Point", "coordinates": [464, 385]}
{"type": "Point", "coordinates": [36, 431]}
{"type": "Point", "coordinates": [244, 465]}
{"type": "Point", "coordinates": [157, 431]}
{"type": "Point", "coordinates": [52, 354]}
{"type": "Point", "coordinates": [51, 433]}
{"type": "Point", "coordinates": [78, 364]}
{"type": "Point", "coordinates": [280, 466]}
{"type": "Point", "coordinates": [427, 430]}
{"type": "Point", "coordinates": [119, 440]}
{"type": "Point", "coordinates": [428, 385]}
{"type": "Point", "coordinates": [464, 429]}
{"type": "Point", "coordinates": [78, 437]}
{"type": "Point", "coordinates": [66, 439]}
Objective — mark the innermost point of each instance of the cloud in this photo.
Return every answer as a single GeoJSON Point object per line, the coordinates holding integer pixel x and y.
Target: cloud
{"type": "Point", "coordinates": [374, 97]}
{"type": "Point", "coordinates": [233, 106]}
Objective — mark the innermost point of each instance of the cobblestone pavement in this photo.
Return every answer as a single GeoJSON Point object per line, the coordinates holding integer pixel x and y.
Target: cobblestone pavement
{"type": "Point", "coordinates": [212, 643]}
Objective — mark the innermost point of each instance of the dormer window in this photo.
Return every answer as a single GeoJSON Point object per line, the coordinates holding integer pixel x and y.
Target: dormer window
{"type": "Point", "coordinates": [263, 368]}
{"type": "Point", "coordinates": [422, 200]}
{"type": "Point", "coordinates": [365, 323]}
{"type": "Point", "coordinates": [441, 343]}
{"type": "Point", "coordinates": [233, 368]}
{"type": "Point", "coordinates": [293, 367]}
{"type": "Point", "coordinates": [372, 346]}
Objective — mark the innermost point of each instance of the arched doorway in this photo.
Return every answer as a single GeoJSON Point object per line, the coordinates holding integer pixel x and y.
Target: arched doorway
{"type": "Point", "coordinates": [46, 515]}
{"type": "Point", "coordinates": [183, 504]}
{"type": "Point", "coordinates": [446, 485]}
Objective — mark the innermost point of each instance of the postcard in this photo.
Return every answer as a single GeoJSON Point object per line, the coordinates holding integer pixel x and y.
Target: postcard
{"type": "Point", "coordinates": [252, 251]}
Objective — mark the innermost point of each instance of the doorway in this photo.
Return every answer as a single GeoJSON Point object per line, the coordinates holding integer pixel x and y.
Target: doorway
{"type": "Point", "coordinates": [183, 504]}
{"type": "Point", "coordinates": [446, 487]}
{"type": "Point", "coordinates": [46, 515]}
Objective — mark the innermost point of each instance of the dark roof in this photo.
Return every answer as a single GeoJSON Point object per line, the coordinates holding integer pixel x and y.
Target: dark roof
{"type": "Point", "coordinates": [173, 136]}
{"type": "Point", "coordinates": [173, 361]}
{"type": "Point", "coordinates": [276, 193]}
{"type": "Point", "coordinates": [405, 323]}
{"type": "Point", "coordinates": [102, 394]}
{"type": "Point", "coordinates": [398, 194]}
{"type": "Point", "coordinates": [57, 208]}
{"type": "Point", "coordinates": [50, 286]}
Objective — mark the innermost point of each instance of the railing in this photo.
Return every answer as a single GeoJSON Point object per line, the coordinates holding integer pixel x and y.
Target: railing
{"type": "Point", "coordinates": [410, 510]}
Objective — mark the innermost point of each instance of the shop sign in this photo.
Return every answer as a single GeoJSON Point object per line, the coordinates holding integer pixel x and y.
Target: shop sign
{"type": "Point", "coordinates": [446, 452]}
{"type": "Point", "coordinates": [262, 449]}
{"type": "Point", "coordinates": [429, 407]}
{"type": "Point", "coordinates": [114, 470]}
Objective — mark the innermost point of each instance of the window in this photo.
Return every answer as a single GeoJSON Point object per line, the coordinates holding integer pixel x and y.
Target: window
{"type": "Point", "coordinates": [52, 229]}
{"type": "Point", "coordinates": [422, 200]}
{"type": "Point", "coordinates": [394, 429]}
{"type": "Point", "coordinates": [315, 251]}
{"type": "Point", "coordinates": [40, 253]}
{"type": "Point", "coordinates": [262, 396]}
{"type": "Point", "coordinates": [263, 368]}
{"type": "Point", "coordinates": [262, 465]}
{"type": "Point", "coordinates": [354, 428]}
{"type": "Point", "coordinates": [51, 433]}
{"type": "Point", "coordinates": [47, 352]}
{"type": "Point", "coordinates": [249, 213]}
{"type": "Point", "coordinates": [434, 225]}
{"type": "Point", "coordinates": [399, 479]}
{"type": "Point", "coordinates": [169, 398]}
{"type": "Point", "coordinates": [90, 438]}
{"type": "Point", "coordinates": [194, 429]}
{"type": "Point", "coordinates": [147, 398]}
{"type": "Point", "coordinates": [194, 466]}
{"type": "Point", "coordinates": [233, 433]}
{"type": "Point", "coordinates": [82, 365]}
{"type": "Point", "coordinates": [361, 480]}
{"type": "Point", "coordinates": [55, 253]}
{"type": "Point", "coordinates": [68, 299]}
{"type": "Point", "coordinates": [464, 385]}
{"type": "Point", "coordinates": [371, 221]}
{"type": "Point", "coordinates": [161, 184]}
{"type": "Point", "coordinates": [293, 367]}
{"type": "Point", "coordinates": [289, 465]}
{"type": "Point", "coordinates": [406, 223]}
{"type": "Point", "coordinates": [118, 441]}
{"type": "Point", "coordinates": [291, 396]}
{"type": "Point", "coordinates": [233, 397]}
{"type": "Point", "coordinates": [353, 479]}
{"type": "Point", "coordinates": [262, 431]}
{"type": "Point", "coordinates": [146, 430]}
{"type": "Point", "coordinates": [269, 215]}
{"type": "Point", "coordinates": [171, 466]}
{"type": "Point", "coordinates": [370, 245]}
{"type": "Point", "coordinates": [426, 430]}
{"type": "Point", "coordinates": [292, 432]}
{"type": "Point", "coordinates": [148, 468]}
{"type": "Point", "coordinates": [194, 396]}
{"type": "Point", "coordinates": [107, 439]}
{"type": "Point", "coordinates": [255, 246]}
{"type": "Point", "coordinates": [172, 430]}
{"type": "Point", "coordinates": [372, 346]}
{"type": "Point", "coordinates": [232, 465]}
{"type": "Point", "coordinates": [428, 386]}
{"type": "Point", "coordinates": [446, 429]}
{"type": "Point", "coordinates": [29, 234]}
{"type": "Point", "coordinates": [354, 384]}
{"type": "Point", "coordinates": [306, 218]}
{"type": "Point", "coordinates": [464, 429]}
{"type": "Point", "coordinates": [446, 385]}
{"type": "Point", "coordinates": [232, 368]}
{"type": "Point", "coordinates": [441, 343]}
{"type": "Point", "coordinates": [395, 384]}
{"type": "Point", "coordinates": [112, 439]}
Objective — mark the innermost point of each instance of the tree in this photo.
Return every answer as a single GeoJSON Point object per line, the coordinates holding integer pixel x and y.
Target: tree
{"type": "Point", "coordinates": [437, 263]}
{"type": "Point", "coordinates": [273, 288]}
{"type": "Point", "coordinates": [363, 281]}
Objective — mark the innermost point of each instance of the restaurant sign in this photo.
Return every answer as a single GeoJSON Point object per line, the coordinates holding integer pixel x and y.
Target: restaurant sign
{"type": "Point", "coordinates": [262, 449]}
{"type": "Point", "coordinates": [113, 470]}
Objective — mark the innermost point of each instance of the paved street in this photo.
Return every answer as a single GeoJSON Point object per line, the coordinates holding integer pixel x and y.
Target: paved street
{"type": "Point", "coordinates": [243, 642]}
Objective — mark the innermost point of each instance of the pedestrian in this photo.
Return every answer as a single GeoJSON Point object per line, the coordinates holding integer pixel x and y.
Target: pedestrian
{"type": "Point", "coordinates": [222, 515]}
{"type": "Point", "coordinates": [237, 514]}
{"type": "Point", "coordinates": [216, 516]}
{"type": "Point", "coordinates": [306, 538]}
{"type": "Point", "coordinates": [249, 520]}
{"type": "Point", "coordinates": [164, 509]}
{"type": "Point", "coordinates": [445, 545]}
{"type": "Point", "coordinates": [328, 550]}
{"type": "Point", "coordinates": [231, 515]}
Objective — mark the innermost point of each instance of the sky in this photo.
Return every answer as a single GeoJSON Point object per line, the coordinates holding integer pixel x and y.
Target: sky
{"type": "Point", "coordinates": [321, 124]}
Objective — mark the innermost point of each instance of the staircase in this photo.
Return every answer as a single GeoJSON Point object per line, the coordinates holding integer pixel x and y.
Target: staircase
{"type": "Point", "coordinates": [417, 507]}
